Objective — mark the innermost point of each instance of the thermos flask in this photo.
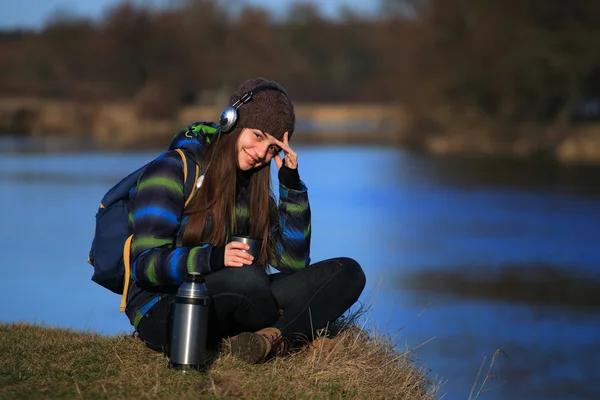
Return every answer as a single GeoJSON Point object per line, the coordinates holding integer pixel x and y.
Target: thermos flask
{"type": "Point", "coordinates": [190, 320]}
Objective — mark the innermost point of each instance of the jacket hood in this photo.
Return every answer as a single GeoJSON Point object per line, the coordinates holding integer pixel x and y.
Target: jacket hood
{"type": "Point", "coordinates": [195, 138]}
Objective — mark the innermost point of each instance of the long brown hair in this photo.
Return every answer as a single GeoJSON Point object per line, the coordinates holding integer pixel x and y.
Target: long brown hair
{"type": "Point", "coordinates": [213, 208]}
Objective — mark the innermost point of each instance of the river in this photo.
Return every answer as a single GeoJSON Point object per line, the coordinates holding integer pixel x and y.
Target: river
{"type": "Point", "coordinates": [464, 258]}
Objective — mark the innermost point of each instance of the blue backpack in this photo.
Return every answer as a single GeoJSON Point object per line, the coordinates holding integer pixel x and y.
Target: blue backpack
{"type": "Point", "coordinates": [111, 248]}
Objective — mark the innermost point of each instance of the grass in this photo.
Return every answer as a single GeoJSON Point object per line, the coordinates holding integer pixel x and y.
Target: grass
{"type": "Point", "coordinates": [42, 363]}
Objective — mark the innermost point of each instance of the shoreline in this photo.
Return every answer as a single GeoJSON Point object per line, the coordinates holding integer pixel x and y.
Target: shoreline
{"type": "Point", "coordinates": [118, 126]}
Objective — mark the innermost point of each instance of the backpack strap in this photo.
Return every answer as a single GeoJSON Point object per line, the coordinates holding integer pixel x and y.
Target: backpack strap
{"type": "Point", "coordinates": [127, 262]}
{"type": "Point", "coordinates": [189, 186]}
{"type": "Point", "coordinates": [127, 246]}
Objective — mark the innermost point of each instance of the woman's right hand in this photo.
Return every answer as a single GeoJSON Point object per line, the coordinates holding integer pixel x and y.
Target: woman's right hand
{"type": "Point", "coordinates": [236, 255]}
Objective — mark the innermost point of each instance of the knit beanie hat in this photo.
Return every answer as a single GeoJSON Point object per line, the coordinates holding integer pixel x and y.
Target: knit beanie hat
{"type": "Point", "coordinates": [271, 111]}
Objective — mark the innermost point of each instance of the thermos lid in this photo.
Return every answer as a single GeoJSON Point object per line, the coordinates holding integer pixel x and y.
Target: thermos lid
{"type": "Point", "coordinates": [193, 287]}
{"type": "Point", "coordinates": [195, 277]}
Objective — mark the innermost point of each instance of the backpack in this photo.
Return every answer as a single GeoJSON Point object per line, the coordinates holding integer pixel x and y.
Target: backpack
{"type": "Point", "coordinates": [111, 247]}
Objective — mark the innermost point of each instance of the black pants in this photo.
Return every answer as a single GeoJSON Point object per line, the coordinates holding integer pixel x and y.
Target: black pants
{"type": "Point", "coordinates": [246, 299]}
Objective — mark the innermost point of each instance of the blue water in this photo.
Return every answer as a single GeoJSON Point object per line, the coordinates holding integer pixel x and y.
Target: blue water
{"type": "Point", "coordinates": [397, 214]}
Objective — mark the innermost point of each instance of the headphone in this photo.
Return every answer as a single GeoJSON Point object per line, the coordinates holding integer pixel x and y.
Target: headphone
{"type": "Point", "coordinates": [229, 116]}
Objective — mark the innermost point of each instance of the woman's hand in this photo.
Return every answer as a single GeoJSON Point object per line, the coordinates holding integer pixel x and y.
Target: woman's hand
{"type": "Point", "coordinates": [291, 158]}
{"type": "Point", "coordinates": [236, 255]}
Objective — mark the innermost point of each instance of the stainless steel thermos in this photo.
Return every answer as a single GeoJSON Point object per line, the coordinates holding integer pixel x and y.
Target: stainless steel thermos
{"type": "Point", "coordinates": [190, 320]}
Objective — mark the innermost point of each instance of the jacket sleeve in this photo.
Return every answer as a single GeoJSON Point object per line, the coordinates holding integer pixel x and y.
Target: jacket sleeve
{"type": "Point", "coordinates": [292, 232]}
{"type": "Point", "coordinates": [157, 216]}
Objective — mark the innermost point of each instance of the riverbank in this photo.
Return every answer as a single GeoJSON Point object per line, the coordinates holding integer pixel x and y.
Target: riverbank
{"type": "Point", "coordinates": [41, 362]}
{"type": "Point", "coordinates": [121, 125]}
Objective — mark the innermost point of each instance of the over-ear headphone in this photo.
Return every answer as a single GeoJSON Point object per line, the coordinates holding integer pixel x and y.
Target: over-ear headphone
{"type": "Point", "coordinates": [229, 116]}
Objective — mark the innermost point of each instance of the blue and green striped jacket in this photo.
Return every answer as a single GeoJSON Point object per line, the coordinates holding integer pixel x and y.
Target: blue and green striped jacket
{"type": "Point", "coordinates": [158, 264]}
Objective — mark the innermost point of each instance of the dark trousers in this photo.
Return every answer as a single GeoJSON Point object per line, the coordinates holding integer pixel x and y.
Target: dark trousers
{"type": "Point", "coordinates": [246, 299]}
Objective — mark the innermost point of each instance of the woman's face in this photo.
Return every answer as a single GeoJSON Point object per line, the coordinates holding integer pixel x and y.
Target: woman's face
{"type": "Point", "coordinates": [255, 148]}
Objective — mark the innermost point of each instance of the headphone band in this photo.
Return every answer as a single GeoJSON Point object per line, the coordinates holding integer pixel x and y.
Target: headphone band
{"type": "Point", "coordinates": [246, 97]}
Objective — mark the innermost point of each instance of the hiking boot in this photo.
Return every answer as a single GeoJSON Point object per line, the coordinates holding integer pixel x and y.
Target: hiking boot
{"type": "Point", "coordinates": [254, 347]}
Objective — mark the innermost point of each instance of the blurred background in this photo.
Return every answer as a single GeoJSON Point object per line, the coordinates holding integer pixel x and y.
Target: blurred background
{"type": "Point", "coordinates": [452, 147]}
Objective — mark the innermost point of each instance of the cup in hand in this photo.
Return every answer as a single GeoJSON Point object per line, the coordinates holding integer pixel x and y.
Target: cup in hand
{"type": "Point", "coordinates": [254, 243]}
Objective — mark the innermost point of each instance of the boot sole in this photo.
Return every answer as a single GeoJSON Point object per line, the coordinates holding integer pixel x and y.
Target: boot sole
{"type": "Point", "coordinates": [249, 346]}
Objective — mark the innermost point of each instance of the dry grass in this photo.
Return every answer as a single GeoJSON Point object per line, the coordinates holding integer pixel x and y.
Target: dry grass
{"type": "Point", "coordinates": [40, 362]}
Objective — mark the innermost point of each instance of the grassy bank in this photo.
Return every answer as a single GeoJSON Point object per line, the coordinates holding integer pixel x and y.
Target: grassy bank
{"type": "Point", "coordinates": [40, 362]}
{"type": "Point", "coordinates": [119, 125]}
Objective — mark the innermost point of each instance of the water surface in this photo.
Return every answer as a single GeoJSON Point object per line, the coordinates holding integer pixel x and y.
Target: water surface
{"type": "Point", "coordinates": [463, 257]}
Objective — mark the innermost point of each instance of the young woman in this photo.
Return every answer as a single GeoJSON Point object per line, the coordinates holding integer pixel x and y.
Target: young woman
{"type": "Point", "coordinates": [256, 310]}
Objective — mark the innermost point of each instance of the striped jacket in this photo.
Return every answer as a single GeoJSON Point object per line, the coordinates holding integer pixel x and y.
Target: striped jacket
{"type": "Point", "coordinates": [159, 265]}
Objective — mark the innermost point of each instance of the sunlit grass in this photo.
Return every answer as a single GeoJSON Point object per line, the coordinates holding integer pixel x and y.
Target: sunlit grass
{"type": "Point", "coordinates": [42, 362]}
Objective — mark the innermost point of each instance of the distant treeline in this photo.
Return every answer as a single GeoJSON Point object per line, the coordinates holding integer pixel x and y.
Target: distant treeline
{"type": "Point", "coordinates": [513, 61]}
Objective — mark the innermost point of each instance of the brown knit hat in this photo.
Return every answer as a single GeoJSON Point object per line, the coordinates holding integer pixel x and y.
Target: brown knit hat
{"type": "Point", "coordinates": [269, 110]}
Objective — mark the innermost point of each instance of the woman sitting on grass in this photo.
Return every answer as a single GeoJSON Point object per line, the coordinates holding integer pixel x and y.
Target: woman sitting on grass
{"type": "Point", "coordinates": [256, 310]}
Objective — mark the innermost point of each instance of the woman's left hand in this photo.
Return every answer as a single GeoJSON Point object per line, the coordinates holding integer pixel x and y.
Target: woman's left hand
{"type": "Point", "coordinates": [291, 158]}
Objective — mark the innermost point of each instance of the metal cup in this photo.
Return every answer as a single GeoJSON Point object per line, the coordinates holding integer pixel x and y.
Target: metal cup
{"type": "Point", "coordinates": [254, 243]}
